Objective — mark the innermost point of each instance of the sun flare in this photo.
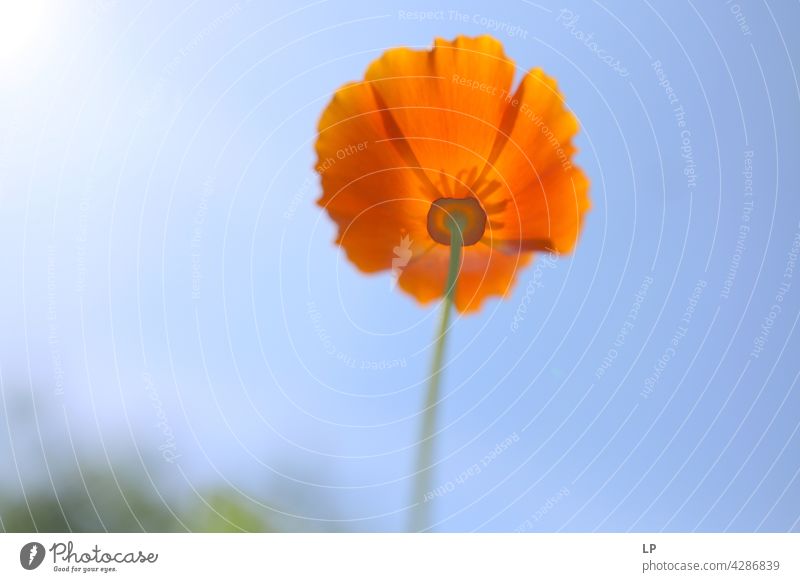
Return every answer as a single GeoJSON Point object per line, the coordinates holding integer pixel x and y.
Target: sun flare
{"type": "Point", "coordinates": [21, 27]}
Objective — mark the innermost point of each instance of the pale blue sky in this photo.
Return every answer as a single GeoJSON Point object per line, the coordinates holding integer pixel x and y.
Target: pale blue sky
{"type": "Point", "coordinates": [170, 285]}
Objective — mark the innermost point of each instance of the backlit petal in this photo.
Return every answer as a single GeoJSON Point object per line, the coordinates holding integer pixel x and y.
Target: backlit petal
{"type": "Point", "coordinates": [368, 189]}
{"type": "Point", "coordinates": [545, 196]}
{"type": "Point", "coordinates": [446, 103]}
{"type": "Point", "coordinates": [484, 273]}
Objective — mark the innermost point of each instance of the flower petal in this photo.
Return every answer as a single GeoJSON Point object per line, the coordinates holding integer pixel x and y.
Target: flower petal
{"type": "Point", "coordinates": [546, 195]}
{"type": "Point", "coordinates": [386, 235]}
{"type": "Point", "coordinates": [484, 273]}
{"type": "Point", "coordinates": [446, 104]}
{"type": "Point", "coordinates": [368, 189]}
{"type": "Point", "coordinates": [547, 214]}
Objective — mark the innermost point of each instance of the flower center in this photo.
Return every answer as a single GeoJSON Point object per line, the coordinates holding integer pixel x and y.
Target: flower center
{"type": "Point", "coordinates": [465, 214]}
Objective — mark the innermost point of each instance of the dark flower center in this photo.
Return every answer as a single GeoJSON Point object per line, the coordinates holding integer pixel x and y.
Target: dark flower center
{"type": "Point", "coordinates": [464, 214]}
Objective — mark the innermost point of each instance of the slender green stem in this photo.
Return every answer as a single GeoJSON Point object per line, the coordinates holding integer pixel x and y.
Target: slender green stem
{"type": "Point", "coordinates": [422, 488]}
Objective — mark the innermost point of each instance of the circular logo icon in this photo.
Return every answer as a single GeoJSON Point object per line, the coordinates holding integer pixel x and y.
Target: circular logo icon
{"type": "Point", "coordinates": [31, 555]}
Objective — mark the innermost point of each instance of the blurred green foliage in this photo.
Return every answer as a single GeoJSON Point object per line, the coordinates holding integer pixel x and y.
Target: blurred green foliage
{"type": "Point", "coordinates": [101, 503]}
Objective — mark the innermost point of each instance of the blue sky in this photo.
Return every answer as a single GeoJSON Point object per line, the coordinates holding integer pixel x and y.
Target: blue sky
{"type": "Point", "coordinates": [171, 289]}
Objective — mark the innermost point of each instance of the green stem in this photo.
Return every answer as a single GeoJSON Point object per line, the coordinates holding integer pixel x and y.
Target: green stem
{"type": "Point", "coordinates": [420, 509]}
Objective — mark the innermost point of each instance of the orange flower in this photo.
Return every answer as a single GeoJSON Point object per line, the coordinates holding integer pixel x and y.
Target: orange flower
{"type": "Point", "coordinates": [438, 133]}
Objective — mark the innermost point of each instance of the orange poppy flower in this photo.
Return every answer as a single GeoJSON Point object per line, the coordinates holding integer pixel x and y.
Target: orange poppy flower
{"type": "Point", "coordinates": [432, 134]}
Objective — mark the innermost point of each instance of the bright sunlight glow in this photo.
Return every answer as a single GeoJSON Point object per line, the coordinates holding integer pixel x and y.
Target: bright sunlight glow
{"type": "Point", "coordinates": [20, 28]}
